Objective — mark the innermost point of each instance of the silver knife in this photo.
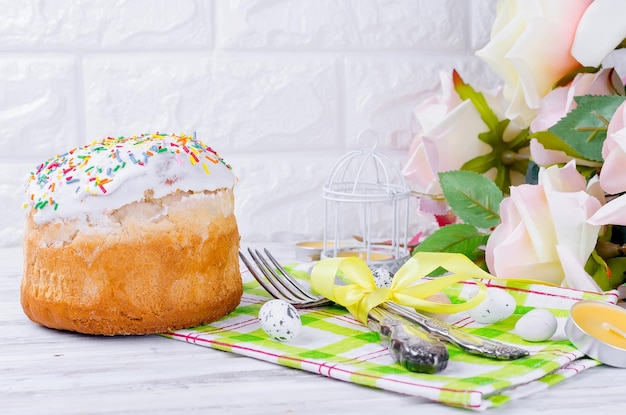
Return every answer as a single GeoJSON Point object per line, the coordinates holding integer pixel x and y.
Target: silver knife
{"type": "Point", "coordinates": [470, 343]}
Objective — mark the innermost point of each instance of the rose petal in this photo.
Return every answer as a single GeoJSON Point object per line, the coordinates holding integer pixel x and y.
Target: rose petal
{"type": "Point", "coordinates": [417, 170]}
{"type": "Point", "coordinates": [612, 177]}
{"type": "Point", "coordinates": [531, 204]}
{"type": "Point", "coordinates": [564, 179]}
{"type": "Point", "coordinates": [434, 206]}
{"type": "Point", "coordinates": [575, 275]}
{"type": "Point", "coordinates": [544, 157]}
{"type": "Point", "coordinates": [613, 213]}
{"type": "Point", "coordinates": [457, 130]}
{"type": "Point", "coordinates": [594, 189]}
{"type": "Point", "coordinates": [569, 212]}
{"type": "Point", "coordinates": [525, 263]}
{"type": "Point", "coordinates": [600, 30]}
{"type": "Point", "coordinates": [552, 108]}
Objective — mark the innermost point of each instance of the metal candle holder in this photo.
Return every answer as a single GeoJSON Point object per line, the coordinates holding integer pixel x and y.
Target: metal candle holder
{"type": "Point", "coordinates": [367, 185]}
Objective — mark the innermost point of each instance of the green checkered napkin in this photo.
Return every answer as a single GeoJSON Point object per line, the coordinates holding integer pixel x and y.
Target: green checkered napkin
{"type": "Point", "coordinates": [333, 343]}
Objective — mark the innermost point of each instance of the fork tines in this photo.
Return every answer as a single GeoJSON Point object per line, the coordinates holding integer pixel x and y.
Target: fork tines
{"type": "Point", "coordinates": [278, 282]}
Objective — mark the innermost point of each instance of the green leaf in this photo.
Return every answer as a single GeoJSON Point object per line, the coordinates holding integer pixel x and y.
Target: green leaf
{"type": "Point", "coordinates": [495, 136]}
{"type": "Point", "coordinates": [504, 155]}
{"type": "Point", "coordinates": [618, 272]}
{"type": "Point", "coordinates": [472, 197]}
{"type": "Point", "coordinates": [458, 238]}
{"type": "Point", "coordinates": [466, 91]}
{"type": "Point", "coordinates": [552, 141]}
{"type": "Point", "coordinates": [481, 164]}
{"type": "Point", "coordinates": [598, 269]}
{"type": "Point", "coordinates": [584, 128]}
{"type": "Point", "coordinates": [608, 275]}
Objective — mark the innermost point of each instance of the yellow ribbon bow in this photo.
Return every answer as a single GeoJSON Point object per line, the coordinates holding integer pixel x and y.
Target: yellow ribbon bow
{"type": "Point", "coordinates": [360, 293]}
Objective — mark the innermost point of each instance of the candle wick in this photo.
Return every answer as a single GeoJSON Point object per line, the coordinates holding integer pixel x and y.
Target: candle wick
{"type": "Point", "coordinates": [614, 329]}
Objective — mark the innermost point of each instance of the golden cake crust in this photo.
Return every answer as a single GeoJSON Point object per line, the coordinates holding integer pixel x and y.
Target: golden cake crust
{"type": "Point", "coordinates": [146, 273]}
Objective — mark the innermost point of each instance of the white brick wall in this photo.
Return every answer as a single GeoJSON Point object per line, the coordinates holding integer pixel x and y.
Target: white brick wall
{"type": "Point", "coordinates": [280, 88]}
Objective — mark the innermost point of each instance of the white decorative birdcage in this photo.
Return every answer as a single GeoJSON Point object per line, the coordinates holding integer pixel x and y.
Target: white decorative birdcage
{"type": "Point", "coordinates": [366, 210]}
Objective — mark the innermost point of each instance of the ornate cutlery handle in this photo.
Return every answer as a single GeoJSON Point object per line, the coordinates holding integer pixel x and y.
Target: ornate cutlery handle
{"type": "Point", "coordinates": [469, 342]}
{"type": "Point", "coordinates": [412, 348]}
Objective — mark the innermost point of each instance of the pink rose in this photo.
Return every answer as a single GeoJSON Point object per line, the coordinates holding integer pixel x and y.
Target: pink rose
{"type": "Point", "coordinates": [612, 177]}
{"type": "Point", "coordinates": [544, 234]}
{"type": "Point", "coordinates": [449, 138]}
{"type": "Point", "coordinates": [530, 49]}
{"type": "Point", "coordinates": [600, 30]}
{"type": "Point", "coordinates": [560, 101]}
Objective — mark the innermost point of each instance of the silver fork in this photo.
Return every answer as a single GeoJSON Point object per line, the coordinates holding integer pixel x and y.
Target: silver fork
{"type": "Point", "coordinates": [414, 349]}
{"type": "Point", "coordinates": [468, 342]}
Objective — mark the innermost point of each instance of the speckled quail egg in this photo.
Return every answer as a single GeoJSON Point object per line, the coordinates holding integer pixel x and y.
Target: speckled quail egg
{"type": "Point", "coordinates": [382, 277]}
{"type": "Point", "coordinates": [280, 320]}
{"type": "Point", "coordinates": [497, 306]}
{"type": "Point", "coordinates": [536, 326]}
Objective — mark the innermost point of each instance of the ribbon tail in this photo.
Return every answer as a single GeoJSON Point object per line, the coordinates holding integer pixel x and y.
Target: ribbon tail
{"type": "Point", "coordinates": [323, 277]}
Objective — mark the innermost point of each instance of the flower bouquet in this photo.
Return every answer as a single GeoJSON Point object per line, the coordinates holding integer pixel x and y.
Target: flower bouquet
{"type": "Point", "coordinates": [529, 180]}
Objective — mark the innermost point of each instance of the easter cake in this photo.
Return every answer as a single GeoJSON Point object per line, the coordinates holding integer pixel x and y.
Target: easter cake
{"type": "Point", "coordinates": [131, 235]}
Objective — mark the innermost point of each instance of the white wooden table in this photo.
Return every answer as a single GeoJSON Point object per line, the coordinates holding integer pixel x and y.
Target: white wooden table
{"type": "Point", "coordinates": [53, 372]}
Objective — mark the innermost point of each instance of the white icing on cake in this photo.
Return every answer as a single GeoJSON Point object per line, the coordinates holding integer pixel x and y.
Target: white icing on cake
{"type": "Point", "coordinates": [90, 181]}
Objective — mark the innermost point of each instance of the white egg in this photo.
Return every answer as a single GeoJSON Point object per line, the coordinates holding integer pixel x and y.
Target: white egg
{"type": "Point", "coordinates": [536, 326]}
{"type": "Point", "coordinates": [382, 277]}
{"type": "Point", "coordinates": [280, 320]}
{"type": "Point", "coordinates": [497, 306]}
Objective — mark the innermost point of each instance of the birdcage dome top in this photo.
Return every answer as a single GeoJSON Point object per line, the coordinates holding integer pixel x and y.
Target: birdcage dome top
{"type": "Point", "coordinates": [365, 175]}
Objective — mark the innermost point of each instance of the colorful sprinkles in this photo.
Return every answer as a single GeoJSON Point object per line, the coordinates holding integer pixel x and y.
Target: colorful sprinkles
{"type": "Point", "coordinates": [75, 167]}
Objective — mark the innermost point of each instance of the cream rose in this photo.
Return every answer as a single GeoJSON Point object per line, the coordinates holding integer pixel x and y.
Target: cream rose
{"type": "Point", "coordinates": [530, 49]}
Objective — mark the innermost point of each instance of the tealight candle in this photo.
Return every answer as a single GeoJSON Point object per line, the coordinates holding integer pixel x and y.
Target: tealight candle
{"type": "Point", "coordinates": [313, 244]}
{"type": "Point", "coordinates": [373, 256]}
{"type": "Point", "coordinates": [311, 250]}
{"type": "Point", "coordinates": [599, 330]}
